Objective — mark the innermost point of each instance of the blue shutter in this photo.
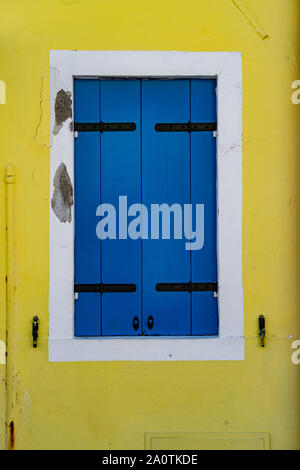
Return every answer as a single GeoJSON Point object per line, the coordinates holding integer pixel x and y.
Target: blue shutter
{"type": "Point", "coordinates": [203, 190]}
{"type": "Point", "coordinates": [121, 175]}
{"type": "Point", "coordinates": [87, 198]}
{"type": "Point", "coordinates": [153, 168]}
{"type": "Point", "coordinates": [165, 179]}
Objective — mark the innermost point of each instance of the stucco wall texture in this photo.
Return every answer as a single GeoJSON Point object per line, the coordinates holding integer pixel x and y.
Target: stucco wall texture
{"type": "Point", "coordinates": [112, 405]}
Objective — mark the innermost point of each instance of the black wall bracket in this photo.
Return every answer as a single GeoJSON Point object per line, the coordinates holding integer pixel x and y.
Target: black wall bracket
{"type": "Point", "coordinates": [35, 331]}
{"type": "Point", "coordinates": [262, 330]}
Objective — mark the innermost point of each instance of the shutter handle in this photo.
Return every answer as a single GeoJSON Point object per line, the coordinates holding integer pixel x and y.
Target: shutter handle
{"type": "Point", "coordinates": [135, 323]}
{"type": "Point", "coordinates": [150, 322]}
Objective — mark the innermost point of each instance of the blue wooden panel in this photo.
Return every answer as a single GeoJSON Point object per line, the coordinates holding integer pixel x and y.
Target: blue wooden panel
{"type": "Point", "coordinates": [87, 198]}
{"type": "Point", "coordinates": [121, 176]}
{"type": "Point", "coordinates": [87, 314]}
{"type": "Point", "coordinates": [204, 314]}
{"type": "Point", "coordinates": [203, 191]}
{"type": "Point", "coordinates": [165, 179]}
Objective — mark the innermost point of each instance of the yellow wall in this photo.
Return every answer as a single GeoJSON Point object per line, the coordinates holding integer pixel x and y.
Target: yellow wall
{"type": "Point", "coordinates": [112, 405]}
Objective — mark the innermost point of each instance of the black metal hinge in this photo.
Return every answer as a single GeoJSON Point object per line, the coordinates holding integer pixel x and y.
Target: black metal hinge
{"type": "Point", "coordinates": [187, 287]}
{"type": "Point", "coordinates": [104, 288]}
{"type": "Point", "coordinates": [104, 126]}
{"type": "Point", "coordinates": [186, 127]}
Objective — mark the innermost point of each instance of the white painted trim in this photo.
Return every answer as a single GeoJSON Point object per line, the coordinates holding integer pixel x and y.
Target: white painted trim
{"type": "Point", "coordinates": [229, 345]}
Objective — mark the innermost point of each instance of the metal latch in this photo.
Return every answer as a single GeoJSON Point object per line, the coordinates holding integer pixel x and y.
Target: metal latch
{"type": "Point", "coordinates": [35, 330]}
{"type": "Point", "coordinates": [135, 323]}
{"type": "Point", "coordinates": [150, 322]}
{"type": "Point", "coordinates": [262, 330]}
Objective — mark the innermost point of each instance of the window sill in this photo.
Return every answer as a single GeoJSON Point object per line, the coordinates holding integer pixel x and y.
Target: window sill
{"type": "Point", "coordinates": [147, 349]}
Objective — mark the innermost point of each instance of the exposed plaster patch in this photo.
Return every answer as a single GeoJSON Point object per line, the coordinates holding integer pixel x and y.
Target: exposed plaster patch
{"type": "Point", "coordinates": [251, 20]}
{"type": "Point", "coordinates": [62, 199]}
{"type": "Point", "coordinates": [62, 108]}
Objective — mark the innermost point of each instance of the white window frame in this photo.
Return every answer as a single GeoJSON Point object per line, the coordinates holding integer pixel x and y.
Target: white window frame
{"type": "Point", "coordinates": [226, 67]}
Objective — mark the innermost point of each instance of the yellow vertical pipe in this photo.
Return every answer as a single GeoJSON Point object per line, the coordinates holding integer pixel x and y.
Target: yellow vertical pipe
{"type": "Point", "coordinates": [3, 328]}
{"type": "Point", "coordinates": [10, 179]}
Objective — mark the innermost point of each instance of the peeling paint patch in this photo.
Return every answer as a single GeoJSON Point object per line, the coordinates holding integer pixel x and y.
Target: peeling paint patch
{"type": "Point", "coordinates": [62, 199]}
{"type": "Point", "coordinates": [62, 108]}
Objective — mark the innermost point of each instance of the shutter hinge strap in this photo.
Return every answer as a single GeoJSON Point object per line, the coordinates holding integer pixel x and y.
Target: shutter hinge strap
{"type": "Point", "coordinates": [187, 287]}
{"type": "Point", "coordinates": [104, 288]}
{"type": "Point", "coordinates": [104, 126]}
{"type": "Point", "coordinates": [186, 127]}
